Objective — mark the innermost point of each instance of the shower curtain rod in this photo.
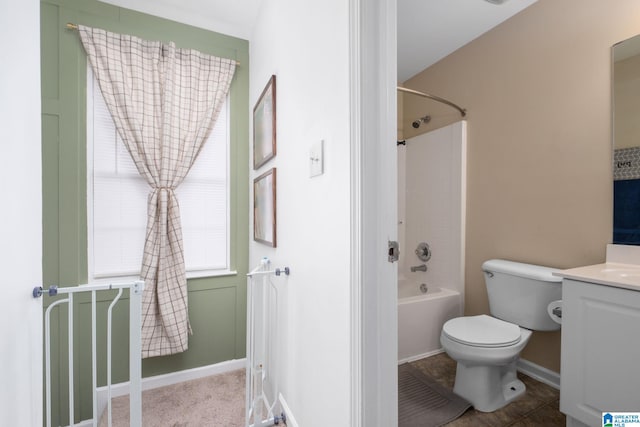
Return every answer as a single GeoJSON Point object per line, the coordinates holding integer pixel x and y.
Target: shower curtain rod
{"type": "Point", "coordinates": [74, 27]}
{"type": "Point", "coordinates": [463, 112]}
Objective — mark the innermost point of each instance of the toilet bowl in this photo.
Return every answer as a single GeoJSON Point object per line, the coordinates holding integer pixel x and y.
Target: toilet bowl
{"type": "Point", "coordinates": [486, 348]}
{"type": "Point", "coordinates": [486, 371]}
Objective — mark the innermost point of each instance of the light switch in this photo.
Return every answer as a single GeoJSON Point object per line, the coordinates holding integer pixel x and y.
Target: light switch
{"type": "Point", "coordinates": [316, 159]}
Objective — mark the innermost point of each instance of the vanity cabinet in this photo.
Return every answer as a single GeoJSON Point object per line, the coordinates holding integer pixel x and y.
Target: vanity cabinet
{"type": "Point", "coordinates": [600, 366]}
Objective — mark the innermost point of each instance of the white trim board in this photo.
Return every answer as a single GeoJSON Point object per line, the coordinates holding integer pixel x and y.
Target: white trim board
{"type": "Point", "coordinates": [373, 104]}
{"type": "Point", "coordinates": [356, 218]}
{"type": "Point", "coordinates": [291, 420]}
{"type": "Point", "coordinates": [539, 373]}
{"type": "Point", "coordinates": [420, 356]}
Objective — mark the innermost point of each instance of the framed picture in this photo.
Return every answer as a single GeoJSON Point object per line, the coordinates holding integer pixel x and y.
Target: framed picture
{"type": "Point", "coordinates": [264, 125]}
{"type": "Point", "coordinates": [264, 208]}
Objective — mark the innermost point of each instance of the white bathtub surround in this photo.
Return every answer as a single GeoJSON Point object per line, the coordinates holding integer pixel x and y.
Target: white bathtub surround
{"type": "Point", "coordinates": [432, 200]}
{"type": "Point", "coordinates": [435, 201]}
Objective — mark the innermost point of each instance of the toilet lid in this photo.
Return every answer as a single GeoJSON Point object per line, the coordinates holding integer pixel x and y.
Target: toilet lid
{"type": "Point", "coordinates": [482, 331]}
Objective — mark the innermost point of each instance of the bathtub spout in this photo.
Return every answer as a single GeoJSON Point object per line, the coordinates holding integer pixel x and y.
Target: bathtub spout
{"type": "Point", "coordinates": [421, 267]}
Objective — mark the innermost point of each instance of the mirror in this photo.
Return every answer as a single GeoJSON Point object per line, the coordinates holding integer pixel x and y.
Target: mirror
{"type": "Point", "coordinates": [626, 141]}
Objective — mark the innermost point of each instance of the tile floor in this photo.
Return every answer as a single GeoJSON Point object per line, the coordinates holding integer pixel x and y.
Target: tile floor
{"type": "Point", "coordinates": [538, 407]}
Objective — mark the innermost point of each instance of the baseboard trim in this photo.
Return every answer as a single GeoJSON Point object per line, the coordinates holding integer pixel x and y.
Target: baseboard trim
{"type": "Point", "coordinates": [539, 373]}
{"type": "Point", "coordinates": [149, 383]}
{"type": "Point", "coordinates": [420, 356]}
{"type": "Point", "coordinates": [291, 420]}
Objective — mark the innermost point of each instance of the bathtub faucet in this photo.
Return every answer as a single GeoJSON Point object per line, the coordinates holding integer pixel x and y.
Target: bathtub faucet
{"type": "Point", "coordinates": [421, 267]}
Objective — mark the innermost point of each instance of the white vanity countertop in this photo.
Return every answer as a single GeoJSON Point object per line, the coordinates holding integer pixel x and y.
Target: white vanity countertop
{"type": "Point", "coordinates": [616, 274]}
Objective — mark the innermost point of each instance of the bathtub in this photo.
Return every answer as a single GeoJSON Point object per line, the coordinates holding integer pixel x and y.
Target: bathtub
{"type": "Point", "coordinates": [420, 319]}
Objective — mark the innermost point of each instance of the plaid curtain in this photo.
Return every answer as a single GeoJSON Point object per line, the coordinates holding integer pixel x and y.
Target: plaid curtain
{"type": "Point", "coordinates": [164, 102]}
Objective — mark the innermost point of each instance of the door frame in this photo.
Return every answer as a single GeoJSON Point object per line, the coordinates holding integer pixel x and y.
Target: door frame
{"type": "Point", "coordinates": [373, 79]}
{"type": "Point", "coordinates": [21, 237]}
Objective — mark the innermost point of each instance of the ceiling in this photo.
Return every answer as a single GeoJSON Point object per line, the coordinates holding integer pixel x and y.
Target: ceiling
{"type": "Point", "coordinates": [428, 30]}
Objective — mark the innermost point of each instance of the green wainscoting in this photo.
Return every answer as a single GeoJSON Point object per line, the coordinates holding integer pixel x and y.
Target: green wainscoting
{"type": "Point", "coordinates": [217, 305]}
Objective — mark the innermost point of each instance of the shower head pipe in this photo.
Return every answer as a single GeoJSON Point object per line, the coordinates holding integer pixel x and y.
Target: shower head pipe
{"type": "Point", "coordinates": [462, 111]}
{"type": "Point", "coordinates": [416, 123]}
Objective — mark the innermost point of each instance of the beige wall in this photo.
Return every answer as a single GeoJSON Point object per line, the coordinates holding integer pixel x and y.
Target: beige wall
{"type": "Point", "coordinates": [537, 90]}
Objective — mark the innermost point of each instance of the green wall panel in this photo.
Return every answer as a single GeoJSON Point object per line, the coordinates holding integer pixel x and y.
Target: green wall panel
{"type": "Point", "coordinates": [217, 305]}
{"type": "Point", "coordinates": [50, 197]}
{"type": "Point", "coordinates": [212, 314]}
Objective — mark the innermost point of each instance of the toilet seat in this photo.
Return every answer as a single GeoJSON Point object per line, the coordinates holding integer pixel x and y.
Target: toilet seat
{"type": "Point", "coordinates": [482, 331]}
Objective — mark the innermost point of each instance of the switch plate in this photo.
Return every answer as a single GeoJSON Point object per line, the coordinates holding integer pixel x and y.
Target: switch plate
{"type": "Point", "coordinates": [316, 159]}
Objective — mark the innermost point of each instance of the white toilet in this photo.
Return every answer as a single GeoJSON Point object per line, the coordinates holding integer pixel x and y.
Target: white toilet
{"type": "Point", "coordinates": [487, 347]}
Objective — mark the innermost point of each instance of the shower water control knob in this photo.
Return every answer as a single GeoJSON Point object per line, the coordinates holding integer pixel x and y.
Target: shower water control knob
{"type": "Point", "coordinates": [423, 252]}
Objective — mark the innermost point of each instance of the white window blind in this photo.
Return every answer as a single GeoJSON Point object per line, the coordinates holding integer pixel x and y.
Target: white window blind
{"type": "Point", "coordinates": [117, 199]}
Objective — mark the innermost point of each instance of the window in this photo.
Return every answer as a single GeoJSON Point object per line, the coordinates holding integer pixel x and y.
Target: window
{"type": "Point", "coordinates": [117, 200]}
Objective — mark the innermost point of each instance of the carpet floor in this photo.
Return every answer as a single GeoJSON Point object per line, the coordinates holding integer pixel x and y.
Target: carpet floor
{"type": "Point", "coordinates": [217, 400]}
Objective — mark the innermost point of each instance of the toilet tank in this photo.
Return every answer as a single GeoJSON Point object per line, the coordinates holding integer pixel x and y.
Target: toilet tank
{"type": "Point", "coordinates": [520, 293]}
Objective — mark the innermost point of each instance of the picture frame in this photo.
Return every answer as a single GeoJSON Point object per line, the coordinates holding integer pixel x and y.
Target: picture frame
{"type": "Point", "coordinates": [264, 125]}
{"type": "Point", "coordinates": [264, 208]}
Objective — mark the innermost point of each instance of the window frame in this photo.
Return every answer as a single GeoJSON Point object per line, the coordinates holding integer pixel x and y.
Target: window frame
{"type": "Point", "coordinates": [130, 275]}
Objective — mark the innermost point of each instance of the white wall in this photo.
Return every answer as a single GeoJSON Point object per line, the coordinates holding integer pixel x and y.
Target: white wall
{"type": "Point", "coordinates": [20, 215]}
{"type": "Point", "coordinates": [305, 44]}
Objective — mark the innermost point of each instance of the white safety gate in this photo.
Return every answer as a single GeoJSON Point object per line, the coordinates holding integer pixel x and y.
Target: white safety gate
{"type": "Point", "coordinates": [263, 346]}
{"type": "Point", "coordinates": [135, 347]}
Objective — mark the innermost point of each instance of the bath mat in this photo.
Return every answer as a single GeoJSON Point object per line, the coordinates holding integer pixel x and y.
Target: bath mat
{"type": "Point", "coordinates": [424, 403]}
